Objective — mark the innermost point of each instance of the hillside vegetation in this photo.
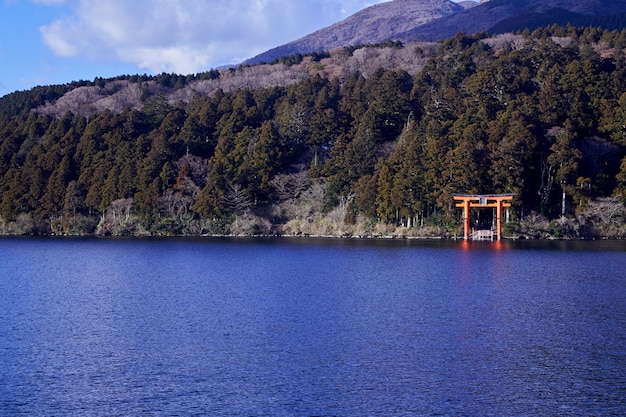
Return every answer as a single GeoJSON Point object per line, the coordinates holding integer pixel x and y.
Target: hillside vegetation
{"type": "Point", "coordinates": [331, 144]}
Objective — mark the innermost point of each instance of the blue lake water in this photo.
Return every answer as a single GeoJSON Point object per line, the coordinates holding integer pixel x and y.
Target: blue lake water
{"type": "Point", "coordinates": [304, 327]}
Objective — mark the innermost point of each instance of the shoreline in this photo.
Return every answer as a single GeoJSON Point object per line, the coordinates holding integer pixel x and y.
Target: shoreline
{"type": "Point", "coordinates": [309, 236]}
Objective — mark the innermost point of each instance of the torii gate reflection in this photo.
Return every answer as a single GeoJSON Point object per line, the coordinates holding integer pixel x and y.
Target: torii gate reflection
{"type": "Point", "coordinates": [497, 201]}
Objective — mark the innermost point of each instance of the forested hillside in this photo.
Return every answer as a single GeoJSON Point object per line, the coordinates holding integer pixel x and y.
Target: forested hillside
{"type": "Point", "coordinates": [541, 115]}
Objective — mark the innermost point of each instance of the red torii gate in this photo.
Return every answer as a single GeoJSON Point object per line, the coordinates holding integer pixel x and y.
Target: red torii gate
{"type": "Point", "coordinates": [467, 201]}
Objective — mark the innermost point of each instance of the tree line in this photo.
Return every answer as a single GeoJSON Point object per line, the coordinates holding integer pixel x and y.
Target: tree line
{"type": "Point", "coordinates": [544, 119]}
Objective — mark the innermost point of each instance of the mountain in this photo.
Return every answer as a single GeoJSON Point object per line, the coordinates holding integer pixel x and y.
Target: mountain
{"type": "Point", "coordinates": [373, 24]}
{"type": "Point", "coordinates": [432, 20]}
{"type": "Point", "coordinates": [500, 16]}
{"type": "Point", "coordinates": [362, 141]}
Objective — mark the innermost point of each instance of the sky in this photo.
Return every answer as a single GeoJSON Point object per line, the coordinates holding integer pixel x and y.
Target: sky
{"type": "Point", "coordinates": [46, 42]}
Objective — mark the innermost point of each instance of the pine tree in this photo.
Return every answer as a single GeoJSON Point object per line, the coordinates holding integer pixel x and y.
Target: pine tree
{"type": "Point", "coordinates": [565, 157]}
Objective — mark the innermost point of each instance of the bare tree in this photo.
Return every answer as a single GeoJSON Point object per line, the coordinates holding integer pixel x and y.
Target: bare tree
{"type": "Point", "coordinates": [608, 210]}
{"type": "Point", "coordinates": [236, 199]}
{"type": "Point", "coordinates": [118, 219]}
{"type": "Point", "coordinates": [290, 186]}
{"type": "Point", "coordinates": [176, 206]}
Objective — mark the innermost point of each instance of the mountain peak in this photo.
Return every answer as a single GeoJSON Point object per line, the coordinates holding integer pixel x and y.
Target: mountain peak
{"type": "Point", "coordinates": [431, 20]}
{"type": "Point", "coordinates": [374, 24]}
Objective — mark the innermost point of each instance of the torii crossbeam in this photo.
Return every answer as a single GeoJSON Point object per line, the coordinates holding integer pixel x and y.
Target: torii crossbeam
{"type": "Point", "coordinates": [467, 201]}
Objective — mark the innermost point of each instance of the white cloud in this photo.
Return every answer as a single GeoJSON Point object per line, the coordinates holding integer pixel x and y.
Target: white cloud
{"type": "Point", "coordinates": [55, 36]}
{"type": "Point", "coordinates": [186, 36]}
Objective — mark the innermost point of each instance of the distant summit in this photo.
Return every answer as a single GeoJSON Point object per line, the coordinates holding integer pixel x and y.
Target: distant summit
{"type": "Point", "coordinates": [432, 20]}
{"type": "Point", "coordinates": [373, 24]}
{"type": "Point", "coordinates": [500, 16]}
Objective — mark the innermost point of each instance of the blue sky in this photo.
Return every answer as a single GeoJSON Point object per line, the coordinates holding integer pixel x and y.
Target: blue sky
{"type": "Point", "coordinates": [44, 42]}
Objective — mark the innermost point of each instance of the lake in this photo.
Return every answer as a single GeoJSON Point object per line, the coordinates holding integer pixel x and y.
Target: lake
{"type": "Point", "coordinates": [308, 327]}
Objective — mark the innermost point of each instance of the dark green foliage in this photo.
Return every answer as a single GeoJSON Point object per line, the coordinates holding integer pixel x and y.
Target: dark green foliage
{"type": "Point", "coordinates": [22, 101]}
{"type": "Point", "coordinates": [539, 120]}
{"type": "Point", "coordinates": [387, 44]}
{"type": "Point", "coordinates": [297, 58]}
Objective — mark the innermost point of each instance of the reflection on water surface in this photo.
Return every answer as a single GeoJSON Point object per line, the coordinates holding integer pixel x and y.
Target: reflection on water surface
{"type": "Point", "coordinates": [312, 327]}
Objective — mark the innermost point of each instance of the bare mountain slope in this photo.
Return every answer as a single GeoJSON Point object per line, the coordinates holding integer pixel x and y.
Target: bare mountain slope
{"type": "Point", "coordinates": [432, 20]}
{"type": "Point", "coordinates": [374, 24]}
{"type": "Point", "coordinates": [509, 15]}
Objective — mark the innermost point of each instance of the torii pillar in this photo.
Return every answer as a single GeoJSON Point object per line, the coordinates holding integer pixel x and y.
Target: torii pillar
{"type": "Point", "coordinates": [497, 201]}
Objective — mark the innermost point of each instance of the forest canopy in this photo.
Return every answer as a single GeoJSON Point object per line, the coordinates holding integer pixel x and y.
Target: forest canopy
{"type": "Point", "coordinates": [541, 115]}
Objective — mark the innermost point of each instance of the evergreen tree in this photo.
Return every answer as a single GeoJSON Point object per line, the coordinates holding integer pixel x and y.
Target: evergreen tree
{"type": "Point", "coordinates": [565, 157]}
